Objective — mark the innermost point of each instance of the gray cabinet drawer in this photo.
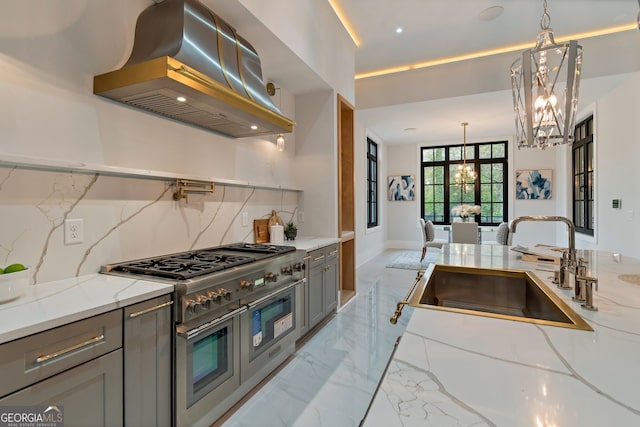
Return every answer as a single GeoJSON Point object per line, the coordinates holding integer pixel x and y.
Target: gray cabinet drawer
{"type": "Point", "coordinates": [31, 359]}
{"type": "Point", "coordinates": [331, 252]}
{"type": "Point", "coordinates": [316, 258]}
{"type": "Point", "coordinates": [322, 255]}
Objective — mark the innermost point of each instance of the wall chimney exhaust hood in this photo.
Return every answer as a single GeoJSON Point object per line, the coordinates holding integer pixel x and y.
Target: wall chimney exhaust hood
{"type": "Point", "coordinates": [189, 65]}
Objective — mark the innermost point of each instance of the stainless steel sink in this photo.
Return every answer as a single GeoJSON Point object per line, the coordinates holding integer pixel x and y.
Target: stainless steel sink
{"type": "Point", "coordinates": [505, 294]}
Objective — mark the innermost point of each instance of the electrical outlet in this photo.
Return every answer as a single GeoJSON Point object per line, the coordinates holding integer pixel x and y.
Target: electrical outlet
{"type": "Point", "coordinates": [73, 231]}
{"type": "Point", "coordinates": [245, 219]}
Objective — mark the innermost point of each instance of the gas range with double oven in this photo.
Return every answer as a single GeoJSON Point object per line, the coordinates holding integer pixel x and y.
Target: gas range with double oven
{"type": "Point", "coordinates": [236, 320]}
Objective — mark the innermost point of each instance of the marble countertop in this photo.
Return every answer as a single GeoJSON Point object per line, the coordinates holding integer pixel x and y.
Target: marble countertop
{"type": "Point", "coordinates": [48, 305]}
{"type": "Point", "coordinates": [460, 369]}
{"type": "Point", "coordinates": [310, 243]}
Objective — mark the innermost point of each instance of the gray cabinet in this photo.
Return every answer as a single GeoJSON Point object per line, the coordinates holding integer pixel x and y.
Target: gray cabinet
{"type": "Point", "coordinates": [148, 363]}
{"type": "Point", "coordinates": [76, 366]}
{"type": "Point", "coordinates": [322, 295]}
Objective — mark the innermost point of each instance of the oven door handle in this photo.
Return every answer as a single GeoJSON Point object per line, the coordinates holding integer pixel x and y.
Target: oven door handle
{"type": "Point", "coordinates": [274, 293]}
{"type": "Point", "coordinates": [194, 332]}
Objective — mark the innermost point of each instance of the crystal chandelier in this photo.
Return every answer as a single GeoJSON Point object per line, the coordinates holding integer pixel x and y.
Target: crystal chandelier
{"type": "Point", "coordinates": [545, 83]}
{"type": "Point", "coordinates": [464, 175]}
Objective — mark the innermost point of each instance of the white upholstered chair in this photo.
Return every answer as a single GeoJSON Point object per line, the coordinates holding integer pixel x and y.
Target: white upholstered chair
{"type": "Point", "coordinates": [429, 237]}
{"type": "Point", "coordinates": [502, 235]}
{"type": "Point", "coordinates": [464, 232]}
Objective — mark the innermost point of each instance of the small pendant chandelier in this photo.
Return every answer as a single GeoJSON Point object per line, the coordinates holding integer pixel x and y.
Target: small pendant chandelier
{"type": "Point", "coordinates": [464, 175]}
{"type": "Point", "coordinates": [545, 83]}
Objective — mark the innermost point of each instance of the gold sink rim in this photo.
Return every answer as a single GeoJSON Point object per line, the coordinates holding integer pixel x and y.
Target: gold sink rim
{"type": "Point", "coordinates": [577, 322]}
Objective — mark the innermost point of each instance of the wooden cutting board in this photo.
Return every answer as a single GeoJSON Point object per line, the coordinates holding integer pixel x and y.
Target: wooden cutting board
{"type": "Point", "coordinates": [261, 230]}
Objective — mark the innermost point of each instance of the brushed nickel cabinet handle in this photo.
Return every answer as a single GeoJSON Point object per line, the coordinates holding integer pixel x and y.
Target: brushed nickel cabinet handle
{"type": "Point", "coordinates": [69, 349]}
{"type": "Point", "coordinates": [149, 310]}
{"type": "Point", "coordinates": [319, 258]}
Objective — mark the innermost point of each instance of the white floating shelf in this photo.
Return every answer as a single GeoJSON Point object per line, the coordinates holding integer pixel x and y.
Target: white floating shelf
{"type": "Point", "coordinates": [44, 164]}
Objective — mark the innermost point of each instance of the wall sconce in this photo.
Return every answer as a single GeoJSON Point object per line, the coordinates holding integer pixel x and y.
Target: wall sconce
{"type": "Point", "coordinates": [271, 90]}
{"type": "Point", "coordinates": [280, 142]}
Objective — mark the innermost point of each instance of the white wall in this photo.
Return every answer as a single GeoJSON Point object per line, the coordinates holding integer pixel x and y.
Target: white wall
{"type": "Point", "coordinates": [48, 58]}
{"type": "Point", "coordinates": [316, 163]}
{"type": "Point", "coordinates": [314, 33]}
{"type": "Point", "coordinates": [369, 242]}
{"type": "Point", "coordinates": [618, 154]}
{"type": "Point", "coordinates": [48, 108]}
{"type": "Point", "coordinates": [531, 233]}
{"type": "Point", "coordinates": [402, 216]}
{"type": "Point", "coordinates": [617, 150]}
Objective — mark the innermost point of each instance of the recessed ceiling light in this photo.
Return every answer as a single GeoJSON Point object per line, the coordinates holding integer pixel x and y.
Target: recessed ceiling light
{"type": "Point", "coordinates": [490, 13]}
{"type": "Point", "coordinates": [181, 99]}
{"type": "Point", "coordinates": [399, 30]}
{"type": "Point", "coordinates": [254, 127]}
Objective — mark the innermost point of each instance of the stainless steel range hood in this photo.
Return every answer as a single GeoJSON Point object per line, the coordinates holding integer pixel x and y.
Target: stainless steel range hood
{"type": "Point", "coordinates": [189, 65]}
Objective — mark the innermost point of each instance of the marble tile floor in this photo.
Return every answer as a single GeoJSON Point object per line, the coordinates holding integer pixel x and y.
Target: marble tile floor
{"type": "Point", "coordinates": [331, 378]}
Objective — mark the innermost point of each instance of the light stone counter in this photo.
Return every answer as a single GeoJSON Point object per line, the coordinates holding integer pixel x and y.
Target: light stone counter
{"type": "Point", "coordinates": [48, 305]}
{"type": "Point", "coordinates": [310, 243]}
{"type": "Point", "coordinates": [458, 369]}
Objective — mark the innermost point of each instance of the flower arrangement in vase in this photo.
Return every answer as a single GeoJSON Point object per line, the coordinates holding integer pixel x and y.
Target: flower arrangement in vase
{"type": "Point", "coordinates": [466, 211]}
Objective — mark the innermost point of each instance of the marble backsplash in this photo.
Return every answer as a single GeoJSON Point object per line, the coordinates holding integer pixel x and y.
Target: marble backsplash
{"type": "Point", "coordinates": [124, 218]}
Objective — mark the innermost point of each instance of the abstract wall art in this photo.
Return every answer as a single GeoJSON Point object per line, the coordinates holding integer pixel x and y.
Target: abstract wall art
{"type": "Point", "coordinates": [401, 187]}
{"type": "Point", "coordinates": [534, 184]}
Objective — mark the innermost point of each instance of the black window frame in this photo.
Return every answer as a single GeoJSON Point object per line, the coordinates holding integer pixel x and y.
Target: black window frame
{"type": "Point", "coordinates": [583, 174]}
{"type": "Point", "coordinates": [373, 200]}
{"type": "Point", "coordinates": [448, 164]}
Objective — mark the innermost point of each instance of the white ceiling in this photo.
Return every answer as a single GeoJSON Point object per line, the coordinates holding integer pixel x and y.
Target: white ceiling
{"type": "Point", "coordinates": [435, 100]}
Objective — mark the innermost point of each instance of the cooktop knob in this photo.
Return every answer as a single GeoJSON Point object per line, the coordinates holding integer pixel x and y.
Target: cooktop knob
{"type": "Point", "coordinates": [270, 277]}
{"type": "Point", "coordinates": [215, 297]}
{"type": "Point", "coordinates": [205, 302]}
{"type": "Point", "coordinates": [244, 284]}
{"type": "Point", "coordinates": [193, 306]}
{"type": "Point", "coordinates": [225, 294]}
{"type": "Point", "coordinates": [287, 269]}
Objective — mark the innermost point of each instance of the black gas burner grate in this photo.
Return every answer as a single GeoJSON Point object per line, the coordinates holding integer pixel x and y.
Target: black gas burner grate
{"type": "Point", "coordinates": [260, 248]}
{"type": "Point", "coordinates": [184, 266]}
{"type": "Point", "coordinates": [200, 262]}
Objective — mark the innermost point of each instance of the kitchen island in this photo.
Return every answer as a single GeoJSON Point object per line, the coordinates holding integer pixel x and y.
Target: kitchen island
{"type": "Point", "coordinates": [461, 369]}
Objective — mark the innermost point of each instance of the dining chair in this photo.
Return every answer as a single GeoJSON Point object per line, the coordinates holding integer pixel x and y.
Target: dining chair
{"type": "Point", "coordinates": [429, 237]}
{"type": "Point", "coordinates": [502, 235]}
{"type": "Point", "coordinates": [464, 232]}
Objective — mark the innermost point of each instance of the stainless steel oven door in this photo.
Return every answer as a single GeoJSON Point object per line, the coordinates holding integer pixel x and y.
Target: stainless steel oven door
{"type": "Point", "coordinates": [207, 368]}
{"type": "Point", "coordinates": [268, 332]}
